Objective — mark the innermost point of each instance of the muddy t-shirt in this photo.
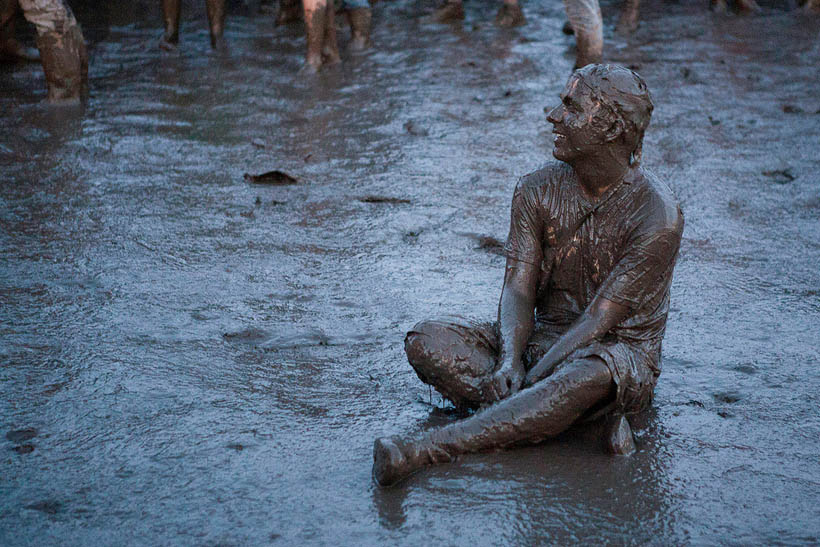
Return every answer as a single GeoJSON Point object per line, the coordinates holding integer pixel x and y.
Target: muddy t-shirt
{"type": "Point", "coordinates": [624, 251]}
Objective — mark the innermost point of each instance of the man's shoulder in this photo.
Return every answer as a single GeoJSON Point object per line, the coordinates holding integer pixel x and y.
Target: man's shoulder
{"type": "Point", "coordinates": [661, 209]}
{"type": "Point", "coordinates": [547, 178]}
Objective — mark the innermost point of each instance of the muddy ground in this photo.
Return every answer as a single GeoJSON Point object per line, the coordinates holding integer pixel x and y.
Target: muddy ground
{"type": "Point", "coordinates": [190, 358]}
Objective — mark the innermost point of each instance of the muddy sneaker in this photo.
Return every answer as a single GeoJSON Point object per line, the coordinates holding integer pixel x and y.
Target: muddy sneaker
{"type": "Point", "coordinates": [619, 439]}
{"type": "Point", "coordinates": [449, 12]}
{"type": "Point", "coordinates": [510, 15]}
{"type": "Point", "coordinates": [389, 464]}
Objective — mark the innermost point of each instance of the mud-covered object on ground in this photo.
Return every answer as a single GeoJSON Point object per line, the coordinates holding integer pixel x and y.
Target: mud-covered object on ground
{"type": "Point", "coordinates": [126, 257]}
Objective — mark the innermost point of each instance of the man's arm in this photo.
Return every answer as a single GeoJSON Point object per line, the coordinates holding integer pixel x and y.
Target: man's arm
{"type": "Point", "coordinates": [638, 275]}
{"type": "Point", "coordinates": [516, 319]}
{"type": "Point", "coordinates": [600, 316]}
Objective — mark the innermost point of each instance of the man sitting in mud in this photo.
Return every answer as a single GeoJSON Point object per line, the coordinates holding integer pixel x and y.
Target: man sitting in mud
{"type": "Point", "coordinates": [593, 241]}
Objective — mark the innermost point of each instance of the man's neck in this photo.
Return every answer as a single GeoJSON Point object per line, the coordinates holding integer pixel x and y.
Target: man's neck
{"type": "Point", "coordinates": [598, 174]}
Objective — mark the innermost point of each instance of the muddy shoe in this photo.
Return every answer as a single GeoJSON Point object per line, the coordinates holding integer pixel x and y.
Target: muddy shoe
{"type": "Point", "coordinates": [359, 20]}
{"type": "Point", "coordinates": [619, 438]}
{"type": "Point", "coordinates": [395, 460]}
{"type": "Point", "coordinates": [449, 12]}
{"type": "Point", "coordinates": [389, 464]}
{"type": "Point", "coordinates": [510, 15]}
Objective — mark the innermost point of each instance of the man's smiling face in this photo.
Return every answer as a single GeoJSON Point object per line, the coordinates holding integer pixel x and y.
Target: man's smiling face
{"type": "Point", "coordinates": [576, 126]}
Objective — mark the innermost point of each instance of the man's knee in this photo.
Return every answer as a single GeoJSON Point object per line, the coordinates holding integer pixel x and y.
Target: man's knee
{"type": "Point", "coordinates": [417, 343]}
{"type": "Point", "coordinates": [591, 370]}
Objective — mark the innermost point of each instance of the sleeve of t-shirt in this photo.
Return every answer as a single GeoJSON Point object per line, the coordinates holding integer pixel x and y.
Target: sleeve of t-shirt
{"type": "Point", "coordinates": [642, 269]}
{"type": "Point", "coordinates": [524, 241]}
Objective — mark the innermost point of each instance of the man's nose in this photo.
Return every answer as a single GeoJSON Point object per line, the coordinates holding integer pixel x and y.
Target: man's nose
{"type": "Point", "coordinates": [554, 115]}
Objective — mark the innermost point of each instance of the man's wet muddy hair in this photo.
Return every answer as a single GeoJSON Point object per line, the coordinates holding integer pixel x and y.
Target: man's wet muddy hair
{"type": "Point", "coordinates": [625, 93]}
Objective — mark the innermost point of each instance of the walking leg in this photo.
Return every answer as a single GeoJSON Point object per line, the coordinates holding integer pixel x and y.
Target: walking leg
{"type": "Point", "coordinates": [585, 18]}
{"type": "Point", "coordinates": [62, 49]}
{"type": "Point", "coordinates": [216, 21]}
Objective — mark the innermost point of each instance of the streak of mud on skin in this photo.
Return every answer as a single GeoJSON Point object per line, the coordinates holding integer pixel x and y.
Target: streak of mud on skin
{"type": "Point", "coordinates": [201, 360]}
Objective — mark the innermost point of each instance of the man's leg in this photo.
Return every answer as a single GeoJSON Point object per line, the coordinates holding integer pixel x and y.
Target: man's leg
{"type": "Point", "coordinates": [170, 18]}
{"type": "Point", "coordinates": [359, 16]}
{"type": "Point", "coordinates": [451, 10]}
{"type": "Point", "coordinates": [10, 48]}
{"type": "Point", "coordinates": [216, 21]}
{"type": "Point", "coordinates": [315, 16]}
{"type": "Point", "coordinates": [62, 49]}
{"type": "Point", "coordinates": [628, 21]}
{"type": "Point", "coordinates": [455, 356]}
{"type": "Point", "coordinates": [585, 18]}
{"type": "Point", "coordinates": [510, 15]}
{"type": "Point", "coordinates": [531, 415]}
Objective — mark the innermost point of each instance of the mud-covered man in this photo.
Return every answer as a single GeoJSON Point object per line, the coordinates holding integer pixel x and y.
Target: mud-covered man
{"type": "Point", "coordinates": [592, 245]}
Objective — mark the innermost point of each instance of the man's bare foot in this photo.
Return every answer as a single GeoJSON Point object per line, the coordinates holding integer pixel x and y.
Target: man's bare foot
{"type": "Point", "coordinates": [509, 15]}
{"type": "Point", "coordinates": [747, 6]}
{"type": "Point", "coordinates": [312, 64]}
{"type": "Point", "coordinates": [218, 43]}
{"type": "Point", "coordinates": [719, 6]}
{"type": "Point", "coordinates": [330, 56]}
{"type": "Point", "coordinates": [449, 12]}
{"type": "Point", "coordinates": [168, 43]}
{"type": "Point", "coordinates": [812, 6]}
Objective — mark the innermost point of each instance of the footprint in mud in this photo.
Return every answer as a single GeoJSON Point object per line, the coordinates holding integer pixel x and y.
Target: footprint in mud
{"type": "Point", "coordinates": [49, 507]}
{"type": "Point", "coordinates": [24, 449]}
{"type": "Point", "coordinates": [746, 369]}
{"type": "Point", "coordinates": [250, 335]}
{"type": "Point", "coordinates": [727, 397]}
{"type": "Point", "coordinates": [20, 435]}
{"type": "Point", "coordinates": [488, 243]}
{"type": "Point", "coordinates": [236, 446]}
{"type": "Point", "coordinates": [267, 341]}
{"type": "Point", "coordinates": [384, 199]}
{"type": "Point", "coordinates": [312, 337]}
{"type": "Point", "coordinates": [780, 176]}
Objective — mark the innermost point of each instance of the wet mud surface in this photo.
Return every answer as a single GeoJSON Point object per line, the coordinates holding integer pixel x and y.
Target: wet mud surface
{"type": "Point", "coordinates": [191, 358]}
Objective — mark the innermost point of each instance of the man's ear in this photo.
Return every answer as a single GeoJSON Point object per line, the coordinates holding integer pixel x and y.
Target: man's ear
{"type": "Point", "coordinates": [615, 129]}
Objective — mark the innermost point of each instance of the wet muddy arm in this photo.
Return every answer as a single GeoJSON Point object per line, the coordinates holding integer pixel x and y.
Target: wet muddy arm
{"type": "Point", "coordinates": [516, 319]}
{"type": "Point", "coordinates": [597, 320]}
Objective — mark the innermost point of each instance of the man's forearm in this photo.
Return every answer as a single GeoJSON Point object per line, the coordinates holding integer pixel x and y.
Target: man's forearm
{"type": "Point", "coordinates": [596, 321]}
{"type": "Point", "coordinates": [515, 317]}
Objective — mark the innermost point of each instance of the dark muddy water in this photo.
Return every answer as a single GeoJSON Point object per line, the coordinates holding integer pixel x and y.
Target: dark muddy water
{"type": "Point", "coordinates": [190, 358]}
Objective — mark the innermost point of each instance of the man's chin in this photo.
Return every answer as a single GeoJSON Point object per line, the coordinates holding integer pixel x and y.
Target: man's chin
{"type": "Point", "coordinates": [559, 154]}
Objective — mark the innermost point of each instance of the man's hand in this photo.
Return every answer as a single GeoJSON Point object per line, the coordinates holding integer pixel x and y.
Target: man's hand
{"type": "Point", "coordinates": [541, 370]}
{"type": "Point", "coordinates": [506, 381]}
